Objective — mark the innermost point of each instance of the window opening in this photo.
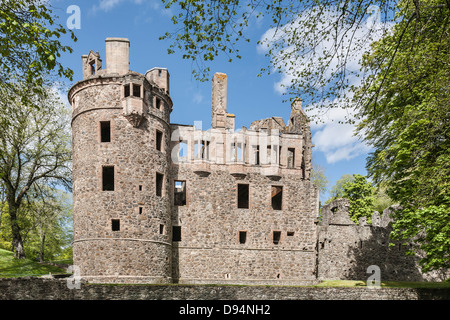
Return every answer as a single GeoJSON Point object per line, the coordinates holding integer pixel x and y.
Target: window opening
{"type": "Point", "coordinates": [176, 233]}
{"type": "Point", "coordinates": [108, 178]}
{"type": "Point", "coordinates": [277, 197]}
{"type": "Point", "coordinates": [126, 92]}
{"type": "Point", "coordinates": [243, 196]}
{"type": "Point", "coordinates": [115, 224]}
{"type": "Point", "coordinates": [242, 237]}
{"type": "Point", "coordinates": [159, 184]}
{"type": "Point", "coordinates": [179, 196]}
{"type": "Point", "coordinates": [105, 131]}
{"type": "Point", "coordinates": [291, 158]}
{"type": "Point", "coordinates": [159, 136]}
{"type": "Point", "coordinates": [276, 237]}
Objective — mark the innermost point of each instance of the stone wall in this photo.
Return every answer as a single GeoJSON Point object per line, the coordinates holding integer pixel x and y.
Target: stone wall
{"type": "Point", "coordinates": [346, 250]}
{"type": "Point", "coordinates": [56, 289]}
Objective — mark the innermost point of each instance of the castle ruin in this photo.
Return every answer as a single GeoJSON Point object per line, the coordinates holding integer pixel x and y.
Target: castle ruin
{"type": "Point", "coordinates": [158, 202]}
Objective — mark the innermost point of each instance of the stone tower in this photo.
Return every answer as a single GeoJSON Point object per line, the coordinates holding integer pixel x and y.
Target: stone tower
{"type": "Point", "coordinates": [121, 160]}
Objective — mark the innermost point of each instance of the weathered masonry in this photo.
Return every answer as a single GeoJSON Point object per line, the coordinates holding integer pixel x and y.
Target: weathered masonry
{"type": "Point", "coordinates": [158, 202]}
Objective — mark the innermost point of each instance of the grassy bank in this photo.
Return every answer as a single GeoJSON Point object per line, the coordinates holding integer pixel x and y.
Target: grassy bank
{"type": "Point", "coordinates": [13, 268]}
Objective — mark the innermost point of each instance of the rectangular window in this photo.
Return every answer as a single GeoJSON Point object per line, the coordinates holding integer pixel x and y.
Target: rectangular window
{"type": "Point", "coordinates": [159, 184]}
{"type": "Point", "coordinates": [201, 150]}
{"type": "Point", "coordinates": [159, 136]}
{"type": "Point", "coordinates": [162, 229]}
{"type": "Point", "coordinates": [176, 233]}
{"type": "Point", "coordinates": [140, 210]}
{"type": "Point", "coordinates": [158, 103]}
{"type": "Point", "coordinates": [136, 90]}
{"type": "Point", "coordinates": [115, 224]}
{"type": "Point", "coordinates": [108, 178]}
{"type": "Point", "coordinates": [290, 233]}
{"type": "Point", "coordinates": [183, 152]}
{"type": "Point", "coordinates": [291, 158]}
{"type": "Point", "coordinates": [276, 237]}
{"type": "Point", "coordinates": [256, 151]}
{"type": "Point", "coordinates": [242, 237]}
{"type": "Point", "coordinates": [179, 195]}
{"type": "Point", "coordinates": [243, 196]}
{"type": "Point", "coordinates": [105, 131]}
{"type": "Point", "coordinates": [126, 92]}
{"type": "Point", "coordinates": [277, 197]}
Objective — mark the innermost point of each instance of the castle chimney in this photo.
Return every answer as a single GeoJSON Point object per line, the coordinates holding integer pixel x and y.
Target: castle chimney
{"type": "Point", "coordinates": [219, 101]}
{"type": "Point", "coordinates": [117, 55]}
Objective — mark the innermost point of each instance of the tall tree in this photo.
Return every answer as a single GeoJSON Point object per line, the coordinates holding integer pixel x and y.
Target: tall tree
{"type": "Point", "coordinates": [30, 43]}
{"type": "Point", "coordinates": [35, 148]}
{"type": "Point", "coordinates": [360, 193]}
{"type": "Point", "coordinates": [405, 113]}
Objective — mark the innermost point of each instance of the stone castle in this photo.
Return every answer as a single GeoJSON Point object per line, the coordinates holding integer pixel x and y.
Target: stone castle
{"type": "Point", "coordinates": [158, 202]}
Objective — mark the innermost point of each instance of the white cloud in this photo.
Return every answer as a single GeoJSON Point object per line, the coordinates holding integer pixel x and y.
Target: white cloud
{"type": "Point", "coordinates": [336, 140]}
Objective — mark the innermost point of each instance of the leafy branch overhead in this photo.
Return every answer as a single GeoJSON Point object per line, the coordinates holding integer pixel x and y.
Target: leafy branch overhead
{"type": "Point", "coordinates": [31, 43]}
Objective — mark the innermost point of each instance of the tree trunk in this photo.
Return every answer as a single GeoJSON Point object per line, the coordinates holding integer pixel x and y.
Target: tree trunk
{"type": "Point", "coordinates": [17, 243]}
{"type": "Point", "coordinates": [41, 253]}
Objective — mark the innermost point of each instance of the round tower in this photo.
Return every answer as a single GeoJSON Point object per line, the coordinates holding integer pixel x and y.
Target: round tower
{"type": "Point", "coordinates": [121, 159]}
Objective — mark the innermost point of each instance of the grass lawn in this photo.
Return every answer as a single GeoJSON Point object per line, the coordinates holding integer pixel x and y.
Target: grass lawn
{"type": "Point", "coordinates": [384, 284]}
{"type": "Point", "coordinates": [13, 268]}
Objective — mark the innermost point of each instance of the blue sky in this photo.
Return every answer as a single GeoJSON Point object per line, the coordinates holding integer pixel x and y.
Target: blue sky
{"type": "Point", "coordinates": [249, 97]}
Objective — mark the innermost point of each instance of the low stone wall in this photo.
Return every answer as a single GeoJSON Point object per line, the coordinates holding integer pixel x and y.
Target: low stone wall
{"type": "Point", "coordinates": [57, 289]}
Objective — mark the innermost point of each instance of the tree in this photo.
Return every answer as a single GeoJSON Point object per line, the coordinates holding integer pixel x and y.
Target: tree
{"type": "Point", "coordinates": [315, 44]}
{"type": "Point", "coordinates": [337, 191]}
{"type": "Point", "coordinates": [49, 230]}
{"type": "Point", "coordinates": [318, 178]}
{"type": "Point", "coordinates": [406, 118]}
{"type": "Point", "coordinates": [360, 193]}
{"type": "Point", "coordinates": [35, 150]}
{"type": "Point", "coordinates": [30, 44]}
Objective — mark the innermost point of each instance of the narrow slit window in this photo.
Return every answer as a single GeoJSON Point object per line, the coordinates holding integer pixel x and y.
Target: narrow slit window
{"type": "Point", "coordinates": [179, 196]}
{"type": "Point", "coordinates": [140, 210]}
{"type": "Point", "coordinates": [115, 224]}
{"type": "Point", "coordinates": [162, 229]}
{"type": "Point", "coordinates": [243, 196]}
{"type": "Point", "coordinates": [242, 237]}
{"type": "Point", "coordinates": [159, 184]}
{"type": "Point", "coordinates": [291, 158]}
{"type": "Point", "coordinates": [176, 233]}
{"type": "Point", "coordinates": [136, 90]}
{"type": "Point", "coordinates": [126, 91]}
{"type": "Point", "coordinates": [256, 154]}
{"type": "Point", "coordinates": [277, 197]}
{"type": "Point", "coordinates": [105, 131]}
{"type": "Point", "coordinates": [140, 187]}
{"type": "Point", "coordinates": [159, 136]}
{"type": "Point", "coordinates": [108, 178]}
{"type": "Point", "coordinates": [276, 237]}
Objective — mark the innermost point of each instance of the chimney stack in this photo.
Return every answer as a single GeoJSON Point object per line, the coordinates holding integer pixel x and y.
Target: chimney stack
{"type": "Point", "coordinates": [117, 55]}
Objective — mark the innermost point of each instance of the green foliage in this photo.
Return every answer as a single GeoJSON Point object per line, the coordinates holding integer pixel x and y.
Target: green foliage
{"type": "Point", "coordinates": [30, 43]}
{"type": "Point", "coordinates": [318, 178]}
{"type": "Point", "coordinates": [360, 194]}
{"type": "Point", "coordinates": [337, 191]}
{"type": "Point", "coordinates": [35, 154]}
{"type": "Point", "coordinates": [12, 268]}
{"type": "Point", "coordinates": [313, 42]}
{"type": "Point", "coordinates": [405, 116]}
